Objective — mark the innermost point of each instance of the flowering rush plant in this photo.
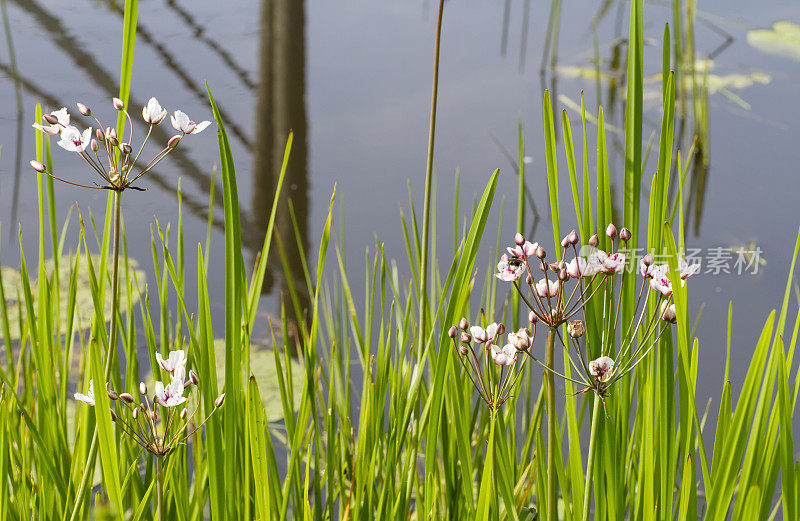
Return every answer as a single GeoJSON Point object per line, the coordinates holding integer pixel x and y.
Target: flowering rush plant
{"type": "Point", "coordinates": [556, 294]}
{"type": "Point", "coordinates": [117, 166]}
{"type": "Point", "coordinates": [161, 423]}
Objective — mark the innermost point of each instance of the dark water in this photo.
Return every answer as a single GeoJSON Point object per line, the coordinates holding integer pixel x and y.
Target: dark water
{"type": "Point", "coordinates": [352, 79]}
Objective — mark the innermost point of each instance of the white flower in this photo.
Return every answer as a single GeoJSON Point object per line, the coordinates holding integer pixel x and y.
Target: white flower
{"type": "Point", "coordinates": [481, 335]}
{"type": "Point", "coordinates": [526, 250]}
{"type": "Point", "coordinates": [614, 263]}
{"type": "Point", "coordinates": [182, 123]}
{"type": "Point", "coordinates": [63, 120]}
{"type": "Point", "coordinates": [660, 282]}
{"type": "Point", "coordinates": [547, 288]}
{"type": "Point", "coordinates": [73, 141]}
{"type": "Point", "coordinates": [505, 356]}
{"type": "Point", "coordinates": [579, 267]}
{"type": "Point", "coordinates": [153, 113]}
{"type": "Point", "coordinates": [509, 269]}
{"type": "Point", "coordinates": [176, 359]}
{"type": "Point", "coordinates": [171, 395]}
{"type": "Point", "coordinates": [595, 262]}
{"type": "Point", "coordinates": [686, 269]}
{"type": "Point", "coordinates": [87, 398]}
{"type": "Point", "coordinates": [602, 368]}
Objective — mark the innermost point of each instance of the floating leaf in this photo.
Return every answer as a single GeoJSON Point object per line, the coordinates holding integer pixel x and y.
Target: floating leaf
{"type": "Point", "coordinates": [84, 304]}
{"type": "Point", "coordinates": [262, 364]}
{"type": "Point", "coordinates": [783, 39]}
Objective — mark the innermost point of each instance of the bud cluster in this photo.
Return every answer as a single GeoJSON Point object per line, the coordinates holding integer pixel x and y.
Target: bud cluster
{"type": "Point", "coordinates": [158, 424]}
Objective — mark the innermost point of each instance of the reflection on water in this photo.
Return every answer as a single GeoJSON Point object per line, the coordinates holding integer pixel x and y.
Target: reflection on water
{"type": "Point", "coordinates": [281, 107]}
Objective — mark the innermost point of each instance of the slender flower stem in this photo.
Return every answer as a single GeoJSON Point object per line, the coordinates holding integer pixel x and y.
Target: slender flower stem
{"type": "Point", "coordinates": [160, 486]}
{"type": "Point", "coordinates": [552, 429]}
{"type": "Point", "coordinates": [112, 335]}
{"type": "Point", "coordinates": [587, 490]}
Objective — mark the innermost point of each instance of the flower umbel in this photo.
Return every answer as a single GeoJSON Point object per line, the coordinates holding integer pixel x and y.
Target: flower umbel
{"type": "Point", "coordinates": [492, 369]}
{"type": "Point", "coordinates": [561, 292]}
{"type": "Point", "coordinates": [119, 158]}
{"type": "Point", "coordinates": [159, 425]}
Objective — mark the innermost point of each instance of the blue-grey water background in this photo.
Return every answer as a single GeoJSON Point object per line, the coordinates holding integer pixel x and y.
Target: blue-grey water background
{"type": "Point", "coordinates": [352, 79]}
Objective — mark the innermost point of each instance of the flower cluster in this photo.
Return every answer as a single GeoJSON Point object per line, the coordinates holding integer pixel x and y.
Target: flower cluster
{"type": "Point", "coordinates": [117, 166]}
{"type": "Point", "coordinates": [158, 426]}
{"type": "Point", "coordinates": [493, 388]}
{"type": "Point", "coordinates": [557, 295]}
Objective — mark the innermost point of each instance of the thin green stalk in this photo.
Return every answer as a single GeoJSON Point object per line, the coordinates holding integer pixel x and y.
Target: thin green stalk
{"type": "Point", "coordinates": [587, 491]}
{"type": "Point", "coordinates": [112, 335]}
{"type": "Point", "coordinates": [552, 429]}
{"type": "Point", "coordinates": [160, 487]}
{"type": "Point", "coordinates": [423, 268]}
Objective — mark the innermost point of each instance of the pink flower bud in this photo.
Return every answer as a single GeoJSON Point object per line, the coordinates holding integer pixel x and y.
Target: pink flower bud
{"type": "Point", "coordinates": [565, 241]}
{"type": "Point", "coordinates": [519, 240]}
{"type": "Point", "coordinates": [562, 275]}
{"type": "Point", "coordinates": [463, 324]}
{"type": "Point", "coordinates": [532, 318]}
{"type": "Point", "coordinates": [142, 388]}
{"type": "Point", "coordinates": [126, 397]}
{"type": "Point", "coordinates": [647, 260]}
{"type": "Point", "coordinates": [463, 349]}
{"type": "Point", "coordinates": [611, 230]}
{"type": "Point", "coordinates": [668, 312]}
{"type": "Point", "coordinates": [452, 332]}
{"type": "Point", "coordinates": [220, 399]}
{"type": "Point", "coordinates": [38, 166]}
{"type": "Point", "coordinates": [540, 252]}
{"type": "Point", "coordinates": [113, 415]}
{"type": "Point", "coordinates": [83, 109]}
{"type": "Point", "coordinates": [528, 279]}
{"type": "Point", "coordinates": [173, 141]}
{"type": "Point", "coordinates": [193, 377]}
{"type": "Point", "coordinates": [126, 148]}
{"type": "Point", "coordinates": [184, 413]}
{"type": "Point", "coordinates": [51, 118]}
{"type": "Point", "coordinates": [101, 136]}
{"type": "Point", "coordinates": [95, 145]}
{"type": "Point", "coordinates": [625, 234]}
{"type": "Point", "coordinates": [573, 237]}
{"type": "Point", "coordinates": [594, 241]}
{"type": "Point", "coordinates": [135, 413]}
{"type": "Point", "coordinates": [112, 394]}
{"type": "Point", "coordinates": [501, 329]}
{"type": "Point", "coordinates": [465, 337]}
{"type": "Point", "coordinates": [118, 104]}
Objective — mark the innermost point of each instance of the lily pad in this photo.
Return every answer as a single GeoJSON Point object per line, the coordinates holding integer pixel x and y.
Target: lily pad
{"type": "Point", "coordinates": [782, 40]}
{"type": "Point", "coordinates": [84, 304]}
{"type": "Point", "coordinates": [262, 364]}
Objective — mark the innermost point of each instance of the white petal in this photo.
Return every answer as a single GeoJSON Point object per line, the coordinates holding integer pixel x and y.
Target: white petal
{"type": "Point", "coordinates": [200, 127]}
{"type": "Point", "coordinates": [62, 115]}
